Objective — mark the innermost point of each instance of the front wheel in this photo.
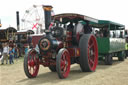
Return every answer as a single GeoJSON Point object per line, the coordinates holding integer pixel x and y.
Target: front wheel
{"type": "Point", "coordinates": [121, 56]}
{"type": "Point", "coordinates": [108, 59]}
{"type": "Point", "coordinates": [31, 64]}
{"type": "Point", "coordinates": [63, 63]}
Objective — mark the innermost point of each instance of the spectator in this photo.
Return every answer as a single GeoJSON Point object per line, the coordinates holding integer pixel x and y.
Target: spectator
{"type": "Point", "coordinates": [1, 57]}
{"type": "Point", "coordinates": [11, 56]}
{"type": "Point", "coordinates": [26, 49]}
{"type": "Point", "coordinates": [101, 34]}
{"type": "Point", "coordinates": [31, 46]}
{"type": "Point", "coordinates": [121, 34]}
{"type": "Point", "coordinates": [114, 35]}
{"type": "Point", "coordinates": [105, 32]}
{"type": "Point", "coordinates": [96, 33]}
{"type": "Point", "coordinates": [10, 43]}
{"type": "Point", "coordinates": [1, 50]}
{"type": "Point", "coordinates": [15, 50]}
{"type": "Point", "coordinates": [5, 53]}
{"type": "Point", "coordinates": [1, 47]}
{"type": "Point", "coordinates": [29, 40]}
{"type": "Point", "coordinates": [19, 49]}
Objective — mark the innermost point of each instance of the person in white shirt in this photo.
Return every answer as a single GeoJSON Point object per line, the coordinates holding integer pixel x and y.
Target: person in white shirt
{"type": "Point", "coordinates": [5, 53]}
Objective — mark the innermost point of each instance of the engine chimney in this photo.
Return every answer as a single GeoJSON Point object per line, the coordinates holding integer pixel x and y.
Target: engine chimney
{"type": "Point", "coordinates": [47, 14]}
{"type": "Point", "coordinates": [17, 20]}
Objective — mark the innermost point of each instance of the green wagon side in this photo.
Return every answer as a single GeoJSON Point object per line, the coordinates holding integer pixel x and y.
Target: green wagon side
{"type": "Point", "coordinates": [110, 46]}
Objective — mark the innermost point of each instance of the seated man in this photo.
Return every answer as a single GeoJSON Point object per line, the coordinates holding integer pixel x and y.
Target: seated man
{"type": "Point", "coordinates": [105, 32]}
{"type": "Point", "coordinates": [87, 28]}
{"type": "Point", "coordinates": [121, 34]}
{"type": "Point", "coordinates": [114, 35]}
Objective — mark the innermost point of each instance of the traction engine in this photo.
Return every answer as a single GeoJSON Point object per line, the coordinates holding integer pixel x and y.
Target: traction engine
{"type": "Point", "coordinates": [61, 46]}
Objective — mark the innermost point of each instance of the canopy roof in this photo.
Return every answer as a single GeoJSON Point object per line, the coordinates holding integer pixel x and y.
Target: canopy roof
{"type": "Point", "coordinates": [73, 17]}
{"type": "Point", "coordinates": [110, 24]}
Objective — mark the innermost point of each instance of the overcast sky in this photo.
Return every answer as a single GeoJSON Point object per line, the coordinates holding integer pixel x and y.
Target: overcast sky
{"type": "Point", "coordinates": [114, 10]}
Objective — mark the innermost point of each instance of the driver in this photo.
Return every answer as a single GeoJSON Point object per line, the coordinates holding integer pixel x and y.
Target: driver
{"type": "Point", "coordinates": [70, 26]}
{"type": "Point", "coordinates": [87, 28]}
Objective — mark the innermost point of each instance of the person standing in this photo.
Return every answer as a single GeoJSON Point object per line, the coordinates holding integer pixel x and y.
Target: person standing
{"type": "Point", "coordinates": [31, 46]}
{"type": "Point", "coordinates": [1, 47]}
{"type": "Point", "coordinates": [26, 49]}
{"type": "Point", "coordinates": [11, 55]}
{"type": "Point", "coordinates": [121, 34]}
{"type": "Point", "coordinates": [5, 53]}
{"type": "Point", "coordinates": [1, 50]}
{"type": "Point", "coordinates": [15, 52]}
{"type": "Point", "coordinates": [29, 40]}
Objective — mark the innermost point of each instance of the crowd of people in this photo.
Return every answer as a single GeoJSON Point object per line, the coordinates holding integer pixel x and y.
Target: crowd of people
{"type": "Point", "coordinates": [104, 32]}
{"type": "Point", "coordinates": [9, 53]}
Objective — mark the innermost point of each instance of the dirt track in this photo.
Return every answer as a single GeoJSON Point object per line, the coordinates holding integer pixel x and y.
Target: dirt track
{"type": "Point", "coordinates": [117, 74]}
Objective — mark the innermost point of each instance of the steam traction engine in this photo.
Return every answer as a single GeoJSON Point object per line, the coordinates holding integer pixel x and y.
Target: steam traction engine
{"type": "Point", "coordinates": [67, 40]}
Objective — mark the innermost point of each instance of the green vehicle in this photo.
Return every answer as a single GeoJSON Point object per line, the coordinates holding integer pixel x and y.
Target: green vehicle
{"type": "Point", "coordinates": [126, 45]}
{"type": "Point", "coordinates": [111, 41]}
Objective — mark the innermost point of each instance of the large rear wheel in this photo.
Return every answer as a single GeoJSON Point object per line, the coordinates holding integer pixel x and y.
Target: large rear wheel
{"type": "Point", "coordinates": [31, 64]}
{"type": "Point", "coordinates": [88, 53]}
{"type": "Point", "coordinates": [63, 63]}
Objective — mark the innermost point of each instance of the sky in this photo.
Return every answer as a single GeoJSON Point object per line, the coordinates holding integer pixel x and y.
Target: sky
{"type": "Point", "coordinates": [113, 10]}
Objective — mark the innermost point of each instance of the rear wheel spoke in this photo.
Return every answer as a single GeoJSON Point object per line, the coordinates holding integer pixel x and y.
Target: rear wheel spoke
{"type": "Point", "coordinates": [92, 62]}
{"type": "Point", "coordinates": [92, 44]}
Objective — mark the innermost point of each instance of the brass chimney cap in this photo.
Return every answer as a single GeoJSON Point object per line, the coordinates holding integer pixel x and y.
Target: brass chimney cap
{"type": "Point", "coordinates": [47, 7]}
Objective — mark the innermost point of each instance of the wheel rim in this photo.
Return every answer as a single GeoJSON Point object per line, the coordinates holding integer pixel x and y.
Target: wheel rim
{"type": "Point", "coordinates": [92, 53]}
{"type": "Point", "coordinates": [65, 64]}
{"type": "Point", "coordinates": [33, 64]}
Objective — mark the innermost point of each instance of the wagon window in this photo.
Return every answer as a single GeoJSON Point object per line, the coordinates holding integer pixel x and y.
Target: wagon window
{"type": "Point", "coordinates": [105, 32]}
{"type": "Point", "coordinates": [126, 32]}
{"type": "Point", "coordinates": [121, 35]}
{"type": "Point", "coordinates": [113, 33]}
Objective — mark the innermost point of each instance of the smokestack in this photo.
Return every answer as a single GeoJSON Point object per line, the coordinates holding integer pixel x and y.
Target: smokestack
{"type": "Point", "coordinates": [47, 14]}
{"type": "Point", "coordinates": [17, 20]}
